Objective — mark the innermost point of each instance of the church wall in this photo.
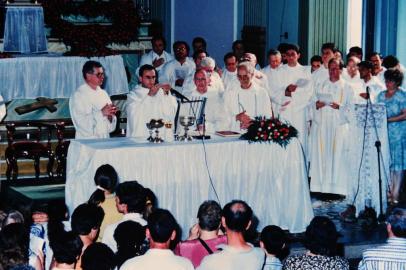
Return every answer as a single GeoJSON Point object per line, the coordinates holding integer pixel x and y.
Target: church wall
{"type": "Point", "coordinates": [211, 19]}
{"type": "Point", "coordinates": [285, 14]}
{"type": "Point", "coordinates": [401, 33]}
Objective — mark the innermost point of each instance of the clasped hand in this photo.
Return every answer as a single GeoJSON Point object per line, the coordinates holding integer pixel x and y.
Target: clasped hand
{"type": "Point", "coordinates": [245, 120]}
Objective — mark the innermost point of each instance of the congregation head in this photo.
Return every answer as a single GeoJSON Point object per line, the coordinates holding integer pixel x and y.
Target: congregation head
{"type": "Point", "coordinates": [106, 180]}
{"type": "Point", "coordinates": [356, 51]}
{"type": "Point", "coordinates": [394, 75]}
{"type": "Point", "coordinates": [237, 216]}
{"type": "Point", "coordinates": [366, 65]}
{"type": "Point", "coordinates": [209, 215]}
{"type": "Point", "coordinates": [129, 234]}
{"type": "Point", "coordinates": [321, 236]}
{"type": "Point", "coordinates": [274, 240]}
{"type": "Point", "coordinates": [89, 66]}
{"type": "Point", "coordinates": [338, 62]}
{"type": "Point", "coordinates": [86, 219]}
{"type": "Point", "coordinates": [230, 61]}
{"type": "Point", "coordinates": [66, 247]}
{"type": "Point", "coordinates": [162, 226]}
{"type": "Point", "coordinates": [397, 222]}
{"type": "Point", "coordinates": [98, 256]}
{"type": "Point", "coordinates": [131, 197]}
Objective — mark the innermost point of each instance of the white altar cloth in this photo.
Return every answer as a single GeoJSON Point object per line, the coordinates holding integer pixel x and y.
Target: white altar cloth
{"type": "Point", "coordinates": [270, 178]}
{"type": "Point", "coordinates": [31, 77]}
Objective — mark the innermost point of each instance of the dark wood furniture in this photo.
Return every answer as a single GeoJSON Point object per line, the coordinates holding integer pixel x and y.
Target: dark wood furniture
{"type": "Point", "coordinates": [24, 142]}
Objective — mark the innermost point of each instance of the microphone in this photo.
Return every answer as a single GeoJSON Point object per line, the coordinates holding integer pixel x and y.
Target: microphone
{"type": "Point", "coordinates": [178, 95]}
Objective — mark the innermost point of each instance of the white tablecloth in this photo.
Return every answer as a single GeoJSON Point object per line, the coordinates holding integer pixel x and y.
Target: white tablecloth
{"type": "Point", "coordinates": [270, 178]}
{"type": "Point", "coordinates": [31, 77]}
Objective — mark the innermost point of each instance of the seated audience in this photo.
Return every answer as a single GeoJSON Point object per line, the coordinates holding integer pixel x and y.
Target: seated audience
{"type": "Point", "coordinates": [321, 242]}
{"type": "Point", "coordinates": [98, 256]}
{"type": "Point", "coordinates": [131, 201]}
{"type": "Point", "coordinates": [129, 237]}
{"type": "Point", "coordinates": [392, 254]}
{"type": "Point", "coordinates": [204, 236]}
{"type": "Point", "coordinates": [66, 247]}
{"type": "Point", "coordinates": [161, 230]}
{"type": "Point", "coordinates": [106, 180]}
{"type": "Point", "coordinates": [237, 254]}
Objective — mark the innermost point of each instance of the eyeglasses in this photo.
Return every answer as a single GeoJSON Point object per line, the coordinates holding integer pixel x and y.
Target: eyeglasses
{"type": "Point", "coordinates": [99, 75]}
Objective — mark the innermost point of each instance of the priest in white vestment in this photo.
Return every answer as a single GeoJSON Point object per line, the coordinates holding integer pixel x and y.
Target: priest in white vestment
{"type": "Point", "coordinates": [147, 101]}
{"type": "Point", "coordinates": [176, 71]}
{"type": "Point", "coordinates": [230, 70]}
{"type": "Point", "coordinates": [246, 101]}
{"type": "Point", "coordinates": [215, 115]}
{"type": "Point", "coordinates": [330, 135]}
{"type": "Point", "coordinates": [295, 94]}
{"type": "Point", "coordinates": [371, 85]}
{"type": "Point", "coordinates": [92, 112]}
{"type": "Point", "coordinates": [328, 51]}
{"type": "Point", "coordinates": [215, 83]}
{"type": "Point", "coordinates": [378, 70]}
{"type": "Point", "coordinates": [157, 57]}
{"type": "Point", "coordinates": [351, 74]}
{"type": "Point", "coordinates": [272, 74]}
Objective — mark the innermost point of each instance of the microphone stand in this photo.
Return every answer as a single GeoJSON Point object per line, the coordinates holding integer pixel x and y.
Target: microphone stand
{"type": "Point", "coordinates": [381, 216]}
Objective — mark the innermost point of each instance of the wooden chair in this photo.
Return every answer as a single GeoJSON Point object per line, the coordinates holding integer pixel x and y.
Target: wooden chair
{"type": "Point", "coordinates": [28, 147]}
{"type": "Point", "coordinates": [61, 150]}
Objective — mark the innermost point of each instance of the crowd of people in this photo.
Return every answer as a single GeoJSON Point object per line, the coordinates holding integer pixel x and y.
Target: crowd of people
{"type": "Point", "coordinates": [121, 227]}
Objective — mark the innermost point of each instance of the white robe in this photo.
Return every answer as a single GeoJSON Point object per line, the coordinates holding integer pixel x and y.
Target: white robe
{"type": "Point", "coordinates": [229, 78]}
{"type": "Point", "coordinates": [149, 57]}
{"type": "Point", "coordinates": [215, 85]}
{"type": "Point", "coordinates": [141, 108]}
{"type": "Point", "coordinates": [255, 101]}
{"type": "Point", "coordinates": [85, 107]}
{"type": "Point", "coordinates": [274, 85]}
{"type": "Point", "coordinates": [173, 71]}
{"type": "Point", "coordinates": [375, 86]}
{"type": "Point", "coordinates": [296, 112]}
{"type": "Point", "coordinates": [215, 113]}
{"type": "Point", "coordinates": [329, 140]}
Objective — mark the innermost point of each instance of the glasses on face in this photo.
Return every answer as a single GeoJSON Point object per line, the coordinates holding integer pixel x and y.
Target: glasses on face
{"type": "Point", "coordinates": [99, 74]}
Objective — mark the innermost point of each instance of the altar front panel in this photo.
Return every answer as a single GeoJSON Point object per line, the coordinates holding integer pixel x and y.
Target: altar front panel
{"type": "Point", "coordinates": [270, 178]}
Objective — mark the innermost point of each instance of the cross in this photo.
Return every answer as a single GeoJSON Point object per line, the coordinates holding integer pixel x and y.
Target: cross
{"type": "Point", "coordinates": [42, 102]}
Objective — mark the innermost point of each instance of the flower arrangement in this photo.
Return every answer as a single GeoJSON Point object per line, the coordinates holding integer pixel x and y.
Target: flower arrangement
{"type": "Point", "coordinates": [270, 130]}
{"type": "Point", "coordinates": [92, 39]}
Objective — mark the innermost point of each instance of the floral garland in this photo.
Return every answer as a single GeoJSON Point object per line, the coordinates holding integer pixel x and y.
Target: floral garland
{"type": "Point", "coordinates": [92, 39]}
{"type": "Point", "coordinates": [270, 130]}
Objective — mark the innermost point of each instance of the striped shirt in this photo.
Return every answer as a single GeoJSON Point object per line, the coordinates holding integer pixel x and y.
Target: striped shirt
{"type": "Point", "coordinates": [391, 255]}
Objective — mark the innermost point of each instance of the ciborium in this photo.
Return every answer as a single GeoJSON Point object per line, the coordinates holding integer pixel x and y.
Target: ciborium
{"type": "Point", "coordinates": [186, 122]}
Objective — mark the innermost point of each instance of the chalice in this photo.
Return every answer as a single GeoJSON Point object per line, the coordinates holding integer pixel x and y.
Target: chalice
{"type": "Point", "coordinates": [149, 127]}
{"type": "Point", "coordinates": [157, 124]}
{"type": "Point", "coordinates": [186, 122]}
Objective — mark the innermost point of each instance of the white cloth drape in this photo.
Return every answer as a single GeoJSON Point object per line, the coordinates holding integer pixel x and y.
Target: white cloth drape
{"type": "Point", "coordinates": [270, 178]}
{"type": "Point", "coordinates": [31, 77]}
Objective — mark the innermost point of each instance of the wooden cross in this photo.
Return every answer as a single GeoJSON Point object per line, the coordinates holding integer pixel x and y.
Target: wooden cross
{"type": "Point", "coordinates": [41, 102]}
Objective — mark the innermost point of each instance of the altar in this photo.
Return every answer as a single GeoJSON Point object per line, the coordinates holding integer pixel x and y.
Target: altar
{"type": "Point", "coordinates": [270, 178]}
